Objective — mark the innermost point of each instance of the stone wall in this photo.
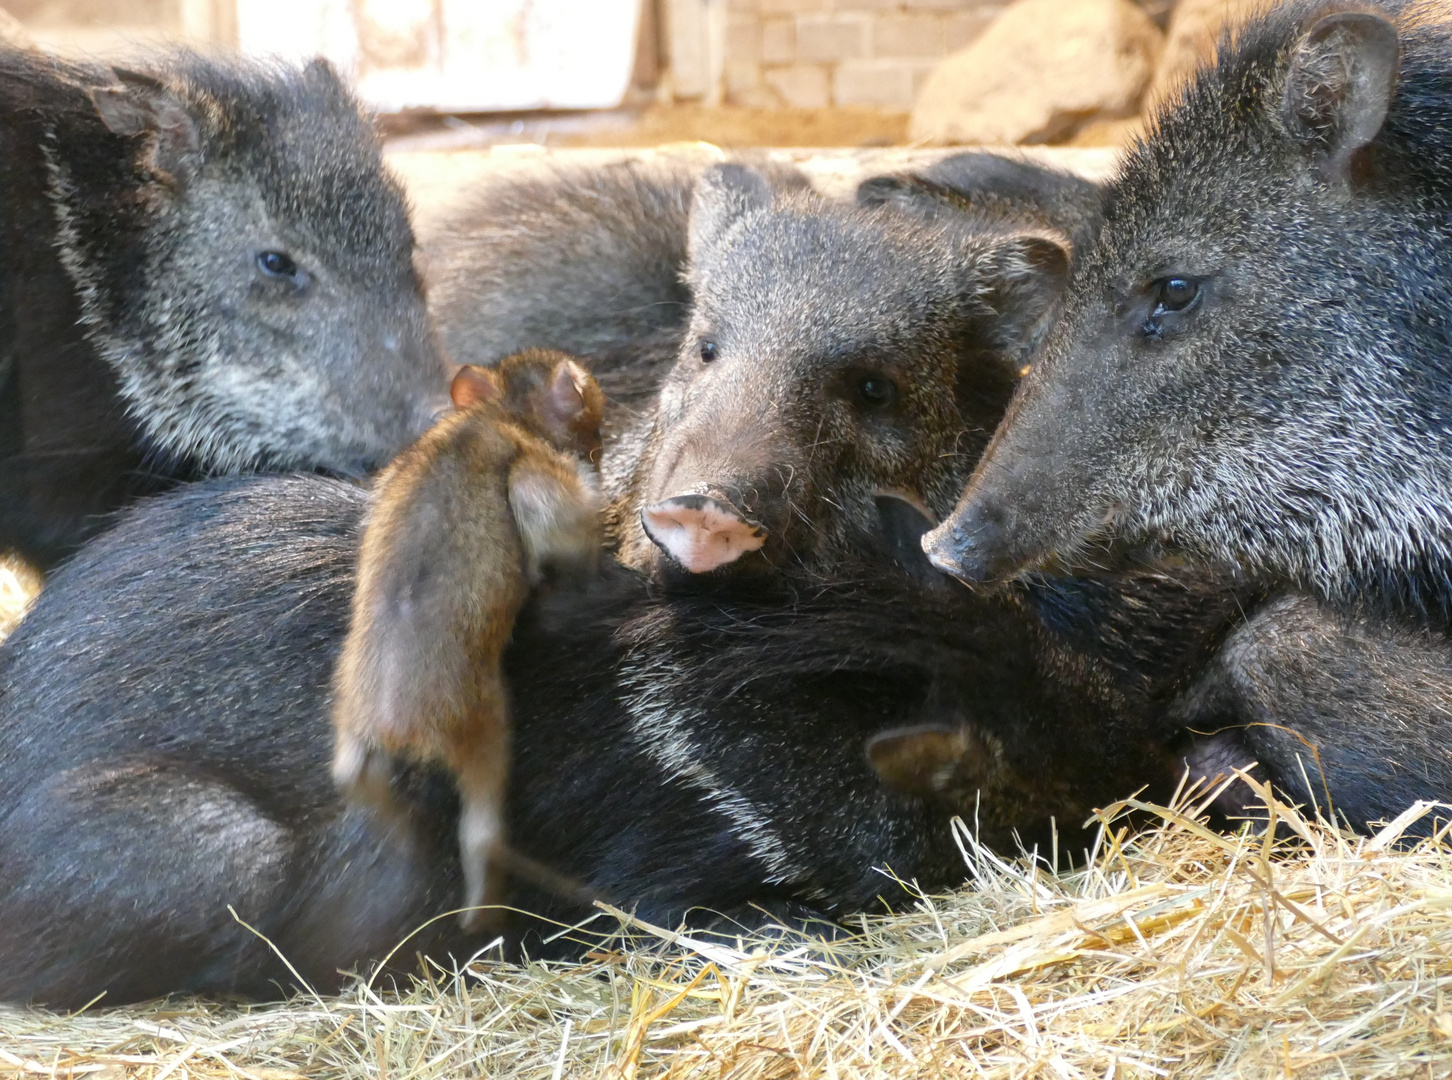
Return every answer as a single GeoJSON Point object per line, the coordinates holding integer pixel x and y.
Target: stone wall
{"type": "Point", "coordinates": [821, 53]}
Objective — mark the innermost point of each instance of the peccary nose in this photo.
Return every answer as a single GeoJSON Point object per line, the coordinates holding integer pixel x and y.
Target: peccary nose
{"type": "Point", "coordinates": [699, 532]}
{"type": "Point", "coordinates": [969, 546]}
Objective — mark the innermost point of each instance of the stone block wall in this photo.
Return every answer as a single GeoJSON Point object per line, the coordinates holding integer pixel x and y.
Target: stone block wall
{"type": "Point", "coordinates": [821, 53]}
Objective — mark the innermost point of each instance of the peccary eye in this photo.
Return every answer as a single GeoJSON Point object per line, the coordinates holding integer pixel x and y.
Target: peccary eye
{"type": "Point", "coordinates": [277, 264]}
{"type": "Point", "coordinates": [1175, 294]}
{"type": "Point", "coordinates": [877, 391]}
{"type": "Point", "coordinates": [708, 351]}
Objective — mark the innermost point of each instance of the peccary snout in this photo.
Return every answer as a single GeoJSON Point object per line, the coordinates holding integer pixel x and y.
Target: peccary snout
{"type": "Point", "coordinates": [969, 545]}
{"type": "Point", "coordinates": [699, 532]}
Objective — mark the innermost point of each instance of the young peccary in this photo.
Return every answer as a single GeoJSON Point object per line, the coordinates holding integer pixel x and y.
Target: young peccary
{"type": "Point", "coordinates": [704, 749]}
{"type": "Point", "coordinates": [1253, 362]}
{"type": "Point", "coordinates": [208, 270]}
{"type": "Point", "coordinates": [462, 524]}
{"type": "Point", "coordinates": [835, 355]}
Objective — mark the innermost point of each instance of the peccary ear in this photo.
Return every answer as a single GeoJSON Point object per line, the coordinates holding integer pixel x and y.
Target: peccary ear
{"type": "Point", "coordinates": [473, 385]}
{"type": "Point", "coordinates": [1340, 85]}
{"type": "Point", "coordinates": [724, 193]}
{"type": "Point", "coordinates": [932, 761]}
{"type": "Point", "coordinates": [1021, 280]}
{"type": "Point", "coordinates": [142, 105]}
{"type": "Point", "coordinates": [320, 70]}
{"type": "Point", "coordinates": [915, 195]}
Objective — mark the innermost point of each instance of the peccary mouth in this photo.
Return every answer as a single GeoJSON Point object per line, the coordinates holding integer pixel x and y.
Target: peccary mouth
{"type": "Point", "coordinates": [701, 533]}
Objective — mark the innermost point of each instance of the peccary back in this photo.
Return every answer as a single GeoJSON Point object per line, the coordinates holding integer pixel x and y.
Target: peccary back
{"type": "Point", "coordinates": [165, 751]}
{"type": "Point", "coordinates": [584, 260]}
{"type": "Point", "coordinates": [988, 181]}
{"type": "Point", "coordinates": [208, 270]}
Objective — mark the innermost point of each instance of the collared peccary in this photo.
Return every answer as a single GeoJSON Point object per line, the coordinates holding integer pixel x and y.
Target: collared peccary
{"type": "Point", "coordinates": [1253, 361]}
{"type": "Point", "coordinates": [463, 523]}
{"type": "Point", "coordinates": [834, 354]}
{"type": "Point", "coordinates": [699, 752]}
{"type": "Point", "coordinates": [1346, 713]}
{"type": "Point", "coordinates": [166, 747]}
{"type": "Point", "coordinates": [1252, 365]}
{"type": "Point", "coordinates": [208, 270]}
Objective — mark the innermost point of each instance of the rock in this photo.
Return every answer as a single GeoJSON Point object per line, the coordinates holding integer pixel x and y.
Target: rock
{"type": "Point", "coordinates": [1042, 71]}
{"type": "Point", "coordinates": [1194, 31]}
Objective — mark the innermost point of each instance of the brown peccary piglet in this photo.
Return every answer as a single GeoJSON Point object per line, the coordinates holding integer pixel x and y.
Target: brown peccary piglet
{"type": "Point", "coordinates": [463, 524]}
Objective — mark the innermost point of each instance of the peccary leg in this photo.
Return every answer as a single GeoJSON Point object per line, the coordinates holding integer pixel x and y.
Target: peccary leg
{"type": "Point", "coordinates": [1351, 712]}
{"type": "Point", "coordinates": [118, 877]}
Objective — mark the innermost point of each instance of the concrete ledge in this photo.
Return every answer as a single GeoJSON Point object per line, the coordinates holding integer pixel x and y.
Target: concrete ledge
{"type": "Point", "coordinates": [438, 179]}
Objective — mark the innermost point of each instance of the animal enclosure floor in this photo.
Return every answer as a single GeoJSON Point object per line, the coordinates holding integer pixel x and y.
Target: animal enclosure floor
{"type": "Point", "coordinates": [1178, 953]}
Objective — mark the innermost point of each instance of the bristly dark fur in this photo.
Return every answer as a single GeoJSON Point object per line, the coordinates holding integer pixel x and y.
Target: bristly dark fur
{"type": "Point", "coordinates": [1294, 416]}
{"type": "Point", "coordinates": [704, 748]}
{"type": "Point", "coordinates": [142, 342]}
{"type": "Point", "coordinates": [1346, 714]}
{"type": "Point", "coordinates": [997, 184]}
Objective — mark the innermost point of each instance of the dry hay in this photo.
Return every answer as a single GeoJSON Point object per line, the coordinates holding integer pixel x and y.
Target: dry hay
{"type": "Point", "coordinates": [1178, 952]}
{"type": "Point", "coordinates": [18, 587]}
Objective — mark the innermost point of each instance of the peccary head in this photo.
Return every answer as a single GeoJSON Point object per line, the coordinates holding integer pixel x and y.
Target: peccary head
{"type": "Point", "coordinates": [245, 264]}
{"type": "Point", "coordinates": [1253, 363]}
{"type": "Point", "coordinates": [835, 356]}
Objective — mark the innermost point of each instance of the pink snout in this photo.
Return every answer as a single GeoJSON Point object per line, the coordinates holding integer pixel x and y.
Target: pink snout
{"type": "Point", "coordinates": [699, 532]}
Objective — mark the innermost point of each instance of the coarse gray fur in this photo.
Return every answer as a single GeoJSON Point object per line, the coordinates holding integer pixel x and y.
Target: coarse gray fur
{"type": "Point", "coordinates": [584, 259]}
{"type": "Point", "coordinates": [799, 303]}
{"type": "Point", "coordinates": [1289, 409]}
{"type": "Point", "coordinates": [151, 199]}
{"type": "Point", "coordinates": [995, 181]}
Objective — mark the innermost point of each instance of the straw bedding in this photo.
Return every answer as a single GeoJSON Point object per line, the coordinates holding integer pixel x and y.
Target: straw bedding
{"type": "Point", "coordinates": [1300, 950]}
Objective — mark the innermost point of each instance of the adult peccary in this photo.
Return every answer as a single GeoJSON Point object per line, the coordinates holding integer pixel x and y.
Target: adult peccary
{"type": "Point", "coordinates": [208, 270]}
{"type": "Point", "coordinates": [835, 354]}
{"type": "Point", "coordinates": [1253, 361]}
{"type": "Point", "coordinates": [1252, 364]}
{"type": "Point", "coordinates": [464, 522]}
{"type": "Point", "coordinates": [166, 746]}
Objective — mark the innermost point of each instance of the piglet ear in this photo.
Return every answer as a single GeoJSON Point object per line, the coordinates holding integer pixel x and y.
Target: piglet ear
{"type": "Point", "coordinates": [140, 105]}
{"type": "Point", "coordinates": [574, 406]}
{"type": "Point", "coordinates": [724, 194]}
{"type": "Point", "coordinates": [931, 761]}
{"type": "Point", "coordinates": [1022, 278]}
{"type": "Point", "coordinates": [473, 385]}
{"type": "Point", "coordinates": [1340, 85]}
